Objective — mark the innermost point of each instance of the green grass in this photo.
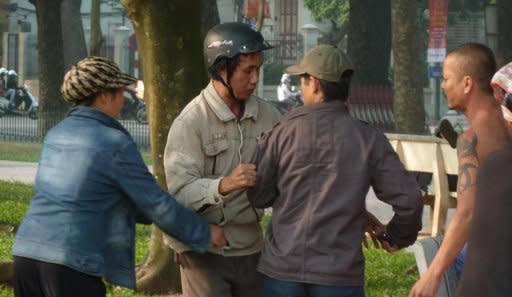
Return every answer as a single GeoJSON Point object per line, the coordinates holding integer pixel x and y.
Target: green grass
{"type": "Point", "coordinates": [25, 152]}
{"type": "Point", "coordinates": [29, 152]}
{"type": "Point", "coordinates": [387, 275]}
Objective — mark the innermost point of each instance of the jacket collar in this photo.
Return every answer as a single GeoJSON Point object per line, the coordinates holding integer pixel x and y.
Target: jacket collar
{"type": "Point", "coordinates": [89, 112]}
{"type": "Point", "coordinates": [335, 105]}
{"type": "Point", "coordinates": [223, 112]}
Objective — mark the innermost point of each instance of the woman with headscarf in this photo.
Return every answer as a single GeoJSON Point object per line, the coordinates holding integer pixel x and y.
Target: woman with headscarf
{"type": "Point", "coordinates": [91, 187]}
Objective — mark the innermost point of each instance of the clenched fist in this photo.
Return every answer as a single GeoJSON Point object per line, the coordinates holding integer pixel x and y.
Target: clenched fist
{"type": "Point", "coordinates": [241, 177]}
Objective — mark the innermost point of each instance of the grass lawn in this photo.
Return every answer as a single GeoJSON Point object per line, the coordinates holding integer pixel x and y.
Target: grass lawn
{"type": "Point", "coordinates": [387, 275]}
{"type": "Point", "coordinates": [29, 152]}
{"type": "Point", "coordinates": [26, 152]}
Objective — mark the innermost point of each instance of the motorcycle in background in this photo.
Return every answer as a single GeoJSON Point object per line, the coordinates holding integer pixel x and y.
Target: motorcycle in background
{"type": "Point", "coordinates": [287, 96]}
{"type": "Point", "coordinates": [134, 108]}
{"type": "Point", "coordinates": [22, 104]}
{"type": "Point", "coordinates": [287, 104]}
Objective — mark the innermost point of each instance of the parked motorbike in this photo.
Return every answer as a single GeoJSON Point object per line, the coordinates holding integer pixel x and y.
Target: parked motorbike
{"type": "Point", "coordinates": [134, 108]}
{"type": "Point", "coordinates": [23, 104]}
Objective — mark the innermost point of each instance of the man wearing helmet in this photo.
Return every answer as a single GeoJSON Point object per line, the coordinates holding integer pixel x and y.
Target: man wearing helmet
{"type": "Point", "coordinates": [206, 156]}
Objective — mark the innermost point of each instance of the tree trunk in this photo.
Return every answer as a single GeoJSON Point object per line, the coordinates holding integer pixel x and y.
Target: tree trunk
{"type": "Point", "coordinates": [75, 48]}
{"type": "Point", "coordinates": [96, 39]}
{"type": "Point", "coordinates": [209, 16]}
{"type": "Point", "coordinates": [504, 52]}
{"type": "Point", "coordinates": [369, 40]}
{"type": "Point", "coordinates": [52, 107]}
{"type": "Point", "coordinates": [170, 45]}
{"type": "Point", "coordinates": [261, 15]}
{"type": "Point", "coordinates": [409, 111]}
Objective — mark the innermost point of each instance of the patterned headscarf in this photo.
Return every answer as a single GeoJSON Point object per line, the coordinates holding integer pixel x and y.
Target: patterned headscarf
{"type": "Point", "coordinates": [91, 76]}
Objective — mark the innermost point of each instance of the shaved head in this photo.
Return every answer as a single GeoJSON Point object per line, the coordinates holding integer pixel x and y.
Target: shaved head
{"type": "Point", "coordinates": [477, 61]}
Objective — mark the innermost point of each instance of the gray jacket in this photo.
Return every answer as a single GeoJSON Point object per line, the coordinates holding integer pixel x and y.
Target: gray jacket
{"type": "Point", "coordinates": [315, 169]}
{"type": "Point", "coordinates": [205, 143]}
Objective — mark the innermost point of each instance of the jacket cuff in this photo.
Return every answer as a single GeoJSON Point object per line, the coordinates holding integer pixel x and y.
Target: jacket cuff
{"type": "Point", "coordinates": [213, 192]}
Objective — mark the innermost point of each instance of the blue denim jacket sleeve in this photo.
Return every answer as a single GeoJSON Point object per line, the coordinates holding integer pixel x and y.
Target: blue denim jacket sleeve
{"type": "Point", "coordinates": [157, 205]}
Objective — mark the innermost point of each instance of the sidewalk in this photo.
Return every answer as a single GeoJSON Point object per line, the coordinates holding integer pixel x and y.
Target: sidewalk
{"type": "Point", "coordinates": [23, 172]}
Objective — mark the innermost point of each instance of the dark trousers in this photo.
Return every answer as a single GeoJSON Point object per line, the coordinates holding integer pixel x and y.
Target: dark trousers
{"type": "Point", "coordinates": [211, 275]}
{"type": "Point", "coordinates": [278, 288]}
{"type": "Point", "coordinates": [34, 278]}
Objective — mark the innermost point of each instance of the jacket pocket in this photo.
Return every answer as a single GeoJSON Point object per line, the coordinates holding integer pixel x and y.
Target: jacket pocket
{"type": "Point", "coordinates": [215, 164]}
{"type": "Point", "coordinates": [213, 214]}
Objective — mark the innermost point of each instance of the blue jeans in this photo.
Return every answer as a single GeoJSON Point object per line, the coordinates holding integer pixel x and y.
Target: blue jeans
{"type": "Point", "coordinates": [277, 288]}
{"type": "Point", "coordinates": [459, 261]}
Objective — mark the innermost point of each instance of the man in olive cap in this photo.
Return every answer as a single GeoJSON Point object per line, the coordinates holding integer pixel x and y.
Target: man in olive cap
{"type": "Point", "coordinates": [315, 168]}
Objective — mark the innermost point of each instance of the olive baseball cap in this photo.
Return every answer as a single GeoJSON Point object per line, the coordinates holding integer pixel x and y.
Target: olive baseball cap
{"type": "Point", "coordinates": [324, 62]}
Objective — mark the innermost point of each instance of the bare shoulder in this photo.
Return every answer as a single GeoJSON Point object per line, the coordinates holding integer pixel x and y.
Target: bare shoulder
{"type": "Point", "coordinates": [466, 144]}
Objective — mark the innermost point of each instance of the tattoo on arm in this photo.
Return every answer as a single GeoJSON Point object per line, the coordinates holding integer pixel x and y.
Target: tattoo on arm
{"type": "Point", "coordinates": [468, 162]}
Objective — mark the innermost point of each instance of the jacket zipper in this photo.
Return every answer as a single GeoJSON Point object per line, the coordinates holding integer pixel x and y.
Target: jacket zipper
{"type": "Point", "coordinates": [241, 141]}
{"type": "Point", "coordinates": [240, 158]}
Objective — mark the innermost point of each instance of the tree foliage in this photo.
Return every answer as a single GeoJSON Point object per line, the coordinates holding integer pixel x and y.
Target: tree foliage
{"type": "Point", "coordinates": [337, 10]}
{"type": "Point", "coordinates": [368, 44]}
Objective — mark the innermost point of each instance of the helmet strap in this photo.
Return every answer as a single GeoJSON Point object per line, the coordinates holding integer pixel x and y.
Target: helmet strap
{"type": "Point", "coordinates": [228, 83]}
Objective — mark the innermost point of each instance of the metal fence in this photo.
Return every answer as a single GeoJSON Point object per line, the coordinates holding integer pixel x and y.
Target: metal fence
{"type": "Point", "coordinates": [373, 104]}
{"type": "Point", "coordinates": [23, 129]}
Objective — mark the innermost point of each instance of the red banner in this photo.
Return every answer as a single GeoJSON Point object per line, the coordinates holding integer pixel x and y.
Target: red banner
{"type": "Point", "coordinates": [252, 6]}
{"type": "Point", "coordinates": [437, 27]}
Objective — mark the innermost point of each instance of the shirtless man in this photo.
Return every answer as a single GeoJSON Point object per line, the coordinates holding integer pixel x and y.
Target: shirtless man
{"type": "Point", "coordinates": [467, 73]}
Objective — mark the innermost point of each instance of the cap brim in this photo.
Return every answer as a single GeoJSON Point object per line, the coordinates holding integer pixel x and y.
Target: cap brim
{"type": "Point", "coordinates": [348, 72]}
{"type": "Point", "coordinates": [123, 80]}
{"type": "Point", "coordinates": [295, 70]}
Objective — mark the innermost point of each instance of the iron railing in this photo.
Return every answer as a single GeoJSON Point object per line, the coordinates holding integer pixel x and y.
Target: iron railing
{"type": "Point", "coordinates": [23, 129]}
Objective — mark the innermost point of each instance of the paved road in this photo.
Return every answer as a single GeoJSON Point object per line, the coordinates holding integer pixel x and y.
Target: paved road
{"type": "Point", "coordinates": [23, 172]}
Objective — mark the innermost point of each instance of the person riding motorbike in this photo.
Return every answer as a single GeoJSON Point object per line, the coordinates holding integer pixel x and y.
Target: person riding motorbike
{"type": "Point", "coordinates": [285, 89]}
{"type": "Point", "coordinates": [287, 97]}
{"type": "Point", "coordinates": [6, 90]}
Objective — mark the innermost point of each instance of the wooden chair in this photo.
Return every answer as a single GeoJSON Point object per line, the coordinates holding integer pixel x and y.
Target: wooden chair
{"type": "Point", "coordinates": [432, 155]}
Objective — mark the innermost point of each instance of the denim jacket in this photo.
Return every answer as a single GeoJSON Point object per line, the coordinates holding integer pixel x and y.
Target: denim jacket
{"type": "Point", "coordinates": [90, 184]}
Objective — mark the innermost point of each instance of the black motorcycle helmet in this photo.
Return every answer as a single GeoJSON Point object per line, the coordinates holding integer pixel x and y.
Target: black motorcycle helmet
{"type": "Point", "coordinates": [225, 42]}
{"type": "Point", "coordinates": [230, 39]}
